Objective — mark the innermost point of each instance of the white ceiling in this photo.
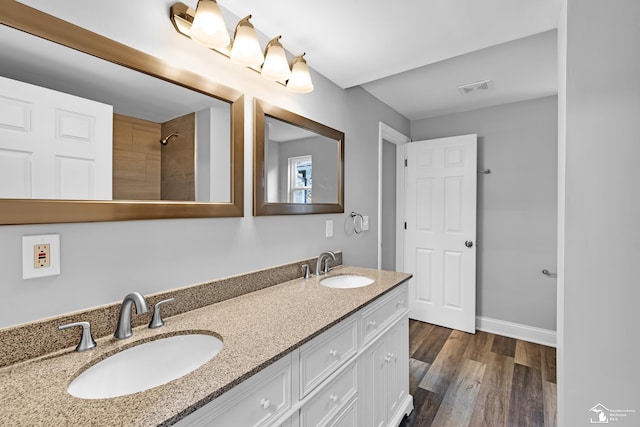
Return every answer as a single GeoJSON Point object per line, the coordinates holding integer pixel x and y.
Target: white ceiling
{"type": "Point", "coordinates": [444, 43]}
{"type": "Point", "coordinates": [519, 70]}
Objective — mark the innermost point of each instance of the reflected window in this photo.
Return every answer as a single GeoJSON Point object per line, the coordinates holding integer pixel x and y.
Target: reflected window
{"type": "Point", "coordinates": [300, 179]}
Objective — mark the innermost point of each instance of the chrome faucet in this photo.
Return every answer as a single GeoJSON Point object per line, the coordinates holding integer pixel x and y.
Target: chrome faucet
{"type": "Point", "coordinates": [123, 330]}
{"type": "Point", "coordinates": [319, 269]}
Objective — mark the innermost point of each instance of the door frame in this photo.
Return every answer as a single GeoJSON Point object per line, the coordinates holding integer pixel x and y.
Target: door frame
{"type": "Point", "coordinates": [387, 133]}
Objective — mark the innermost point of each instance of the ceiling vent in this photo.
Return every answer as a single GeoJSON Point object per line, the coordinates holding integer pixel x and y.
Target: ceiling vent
{"type": "Point", "coordinates": [480, 86]}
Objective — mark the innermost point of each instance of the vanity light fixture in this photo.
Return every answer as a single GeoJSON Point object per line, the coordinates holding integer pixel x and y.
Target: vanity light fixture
{"type": "Point", "coordinates": [246, 48]}
{"type": "Point", "coordinates": [276, 66]}
{"type": "Point", "coordinates": [300, 80]}
{"type": "Point", "coordinates": [203, 26]}
{"type": "Point", "coordinates": [208, 27]}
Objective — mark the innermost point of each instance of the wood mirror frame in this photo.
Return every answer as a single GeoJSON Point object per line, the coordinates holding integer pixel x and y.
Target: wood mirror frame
{"type": "Point", "coordinates": [260, 205]}
{"type": "Point", "coordinates": [27, 211]}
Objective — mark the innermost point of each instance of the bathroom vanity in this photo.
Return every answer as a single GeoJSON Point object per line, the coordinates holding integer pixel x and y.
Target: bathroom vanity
{"type": "Point", "coordinates": [354, 374]}
{"type": "Point", "coordinates": [294, 354]}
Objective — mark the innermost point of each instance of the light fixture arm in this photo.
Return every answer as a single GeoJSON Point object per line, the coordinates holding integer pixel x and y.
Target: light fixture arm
{"type": "Point", "coordinates": [181, 17]}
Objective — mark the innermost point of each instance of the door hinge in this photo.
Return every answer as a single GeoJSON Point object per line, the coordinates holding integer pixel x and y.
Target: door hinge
{"type": "Point", "coordinates": [406, 163]}
{"type": "Point", "coordinates": [405, 225]}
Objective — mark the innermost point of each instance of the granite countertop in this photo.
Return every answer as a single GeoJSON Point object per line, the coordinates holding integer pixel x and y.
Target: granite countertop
{"type": "Point", "coordinates": [257, 329]}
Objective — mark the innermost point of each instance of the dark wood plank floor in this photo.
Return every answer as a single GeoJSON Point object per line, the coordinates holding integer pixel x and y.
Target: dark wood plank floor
{"type": "Point", "coordinates": [483, 380]}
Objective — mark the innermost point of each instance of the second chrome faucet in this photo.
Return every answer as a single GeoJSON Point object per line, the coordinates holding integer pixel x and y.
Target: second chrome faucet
{"type": "Point", "coordinates": [319, 269]}
{"type": "Point", "coordinates": [123, 330]}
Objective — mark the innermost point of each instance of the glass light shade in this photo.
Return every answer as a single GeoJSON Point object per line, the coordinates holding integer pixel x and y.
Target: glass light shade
{"type": "Point", "coordinates": [276, 66]}
{"type": "Point", "coordinates": [208, 27]}
{"type": "Point", "coordinates": [300, 80]}
{"type": "Point", "coordinates": [246, 50]}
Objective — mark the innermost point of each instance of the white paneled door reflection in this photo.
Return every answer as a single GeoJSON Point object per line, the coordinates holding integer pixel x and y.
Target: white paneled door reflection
{"type": "Point", "coordinates": [53, 145]}
{"type": "Point", "coordinates": [440, 214]}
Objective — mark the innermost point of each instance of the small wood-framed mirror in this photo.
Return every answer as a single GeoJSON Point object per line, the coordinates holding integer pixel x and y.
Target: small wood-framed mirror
{"type": "Point", "coordinates": [22, 28]}
{"type": "Point", "coordinates": [298, 164]}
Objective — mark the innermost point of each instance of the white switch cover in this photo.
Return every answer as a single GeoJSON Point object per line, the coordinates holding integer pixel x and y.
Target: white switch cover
{"type": "Point", "coordinates": [329, 228]}
{"type": "Point", "coordinates": [30, 270]}
{"type": "Point", "coordinates": [365, 222]}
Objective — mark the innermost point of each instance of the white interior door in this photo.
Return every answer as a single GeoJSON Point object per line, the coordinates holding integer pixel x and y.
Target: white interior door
{"type": "Point", "coordinates": [53, 145]}
{"type": "Point", "coordinates": [440, 235]}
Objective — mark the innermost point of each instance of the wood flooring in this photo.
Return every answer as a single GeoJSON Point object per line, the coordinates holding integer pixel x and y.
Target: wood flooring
{"type": "Point", "coordinates": [483, 380]}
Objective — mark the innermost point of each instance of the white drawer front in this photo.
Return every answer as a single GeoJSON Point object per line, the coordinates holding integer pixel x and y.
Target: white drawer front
{"type": "Point", "coordinates": [377, 317]}
{"type": "Point", "coordinates": [322, 356]}
{"type": "Point", "coordinates": [322, 407]}
{"type": "Point", "coordinates": [255, 402]}
{"type": "Point", "coordinates": [348, 417]}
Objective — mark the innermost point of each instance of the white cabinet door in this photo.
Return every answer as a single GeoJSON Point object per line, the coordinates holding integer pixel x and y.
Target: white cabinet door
{"type": "Point", "coordinates": [53, 145]}
{"type": "Point", "coordinates": [392, 371]}
{"type": "Point", "coordinates": [385, 371]}
{"type": "Point", "coordinates": [397, 369]}
{"type": "Point", "coordinates": [373, 391]}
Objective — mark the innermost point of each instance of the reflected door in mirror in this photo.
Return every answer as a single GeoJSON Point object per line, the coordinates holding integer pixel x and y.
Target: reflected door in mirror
{"type": "Point", "coordinates": [53, 145]}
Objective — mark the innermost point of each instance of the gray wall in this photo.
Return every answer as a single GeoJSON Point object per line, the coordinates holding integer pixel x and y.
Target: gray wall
{"type": "Point", "coordinates": [101, 262]}
{"type": "Point", "coordinates": [601, 238]}
{"type": "Point", "coordinates": [517, 206]}
{"type": "Point", "coordinates": [388, 248]}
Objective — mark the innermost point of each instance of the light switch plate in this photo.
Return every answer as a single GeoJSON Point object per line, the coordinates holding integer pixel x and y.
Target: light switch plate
{"type": "Point", "coordinates": [329, 228]}
{"type": "Point", "coordinates": [29, 246]}
{"type": "Point", "coordinates": [365, 223]}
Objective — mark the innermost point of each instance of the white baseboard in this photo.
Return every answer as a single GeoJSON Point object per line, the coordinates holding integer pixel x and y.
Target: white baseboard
{"type": "Point", "coordinates": [515, 330]}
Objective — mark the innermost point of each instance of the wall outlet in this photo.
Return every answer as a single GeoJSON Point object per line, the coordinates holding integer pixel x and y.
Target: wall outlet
{"type": "Point", "coordinates": [328, 228]}
{"type": "Point", "coordinates": [40, 256]}
{"type": "Point", "coordinates": [365, 222]}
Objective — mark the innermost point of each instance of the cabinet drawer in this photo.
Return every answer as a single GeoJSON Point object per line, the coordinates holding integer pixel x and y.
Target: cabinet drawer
{"type": "Point", "coordinates": [322, 356]}
{"type": "Point", "coordinates": [381, 313]}
{"type": "Point", "coordinates": [334, 396]}
{"type": "Point", "coordinates": [348, 417]}
{"type": "Point", "coordinates": [255, 402]}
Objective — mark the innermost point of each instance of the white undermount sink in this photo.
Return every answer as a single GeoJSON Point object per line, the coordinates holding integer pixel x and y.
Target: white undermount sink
{"type": "Point", "coordinates": [346, 281]}
{"type": "Point", "coordinates": [145, 366]}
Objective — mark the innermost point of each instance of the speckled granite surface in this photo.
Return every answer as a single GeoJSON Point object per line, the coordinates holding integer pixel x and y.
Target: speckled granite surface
{"type": "Point", "coordinates": [257, 328]}
{"type": "Point", "coordinates": [35, 339]}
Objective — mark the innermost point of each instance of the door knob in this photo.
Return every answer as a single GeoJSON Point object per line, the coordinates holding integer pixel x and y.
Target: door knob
{"type": "Point", "coordinates": [468, 243]}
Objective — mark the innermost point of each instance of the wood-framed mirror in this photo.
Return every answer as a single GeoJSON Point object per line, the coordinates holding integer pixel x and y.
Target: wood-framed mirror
{"type": "Point", "coordinates": [207, 103]}
{"type": "Point", "coordinates": [298, 164]}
